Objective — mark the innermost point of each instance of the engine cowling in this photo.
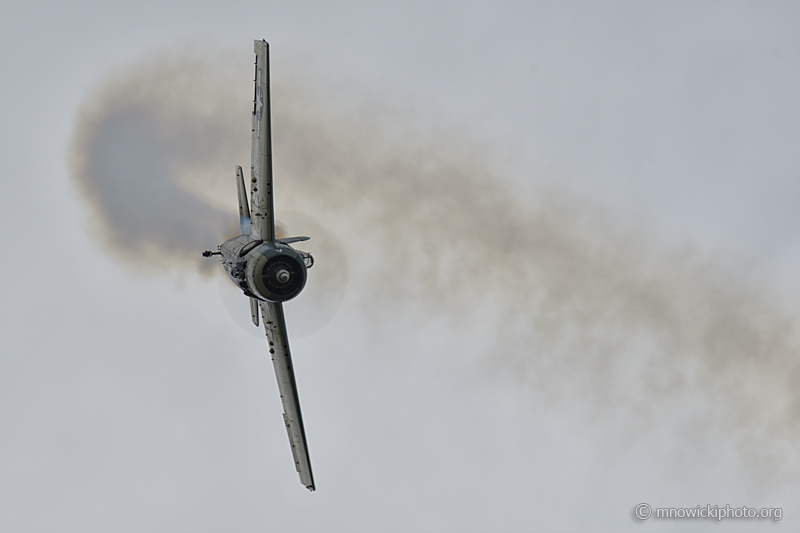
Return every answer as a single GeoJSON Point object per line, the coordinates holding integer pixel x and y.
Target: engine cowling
{"type": "Point", "coordinates": [275, 272]}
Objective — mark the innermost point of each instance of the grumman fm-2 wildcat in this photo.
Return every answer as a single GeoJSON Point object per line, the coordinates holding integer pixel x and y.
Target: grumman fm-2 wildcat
{"type": "Point", "coordinates": [267, 269]}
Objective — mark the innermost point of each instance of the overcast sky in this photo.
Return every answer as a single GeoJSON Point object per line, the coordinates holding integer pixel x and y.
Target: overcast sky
{"type": "Point", "coordinates": [131, 400]}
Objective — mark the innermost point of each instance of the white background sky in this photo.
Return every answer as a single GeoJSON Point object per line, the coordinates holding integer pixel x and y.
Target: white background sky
{"type": "Point", "coordinates": [133, 403]}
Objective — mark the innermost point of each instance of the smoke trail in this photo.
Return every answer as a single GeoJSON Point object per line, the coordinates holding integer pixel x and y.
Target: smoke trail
{"type": "Point", "coordinates": [571, 305]}
{"type": "Point", "coordinates": [144, 144]}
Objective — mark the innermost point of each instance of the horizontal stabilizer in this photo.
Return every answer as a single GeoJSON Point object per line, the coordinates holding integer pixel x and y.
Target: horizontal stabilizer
{"type": "Point", "coordinates": [290, 240]}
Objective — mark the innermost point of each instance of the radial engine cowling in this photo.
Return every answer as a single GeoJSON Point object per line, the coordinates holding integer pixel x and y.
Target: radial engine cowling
{"type": "Point", "coordinates": [275, 272]}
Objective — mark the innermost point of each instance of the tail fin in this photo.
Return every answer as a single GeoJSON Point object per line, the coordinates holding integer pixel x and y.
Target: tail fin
{"type": "Point", "coordinates": [244, 207]}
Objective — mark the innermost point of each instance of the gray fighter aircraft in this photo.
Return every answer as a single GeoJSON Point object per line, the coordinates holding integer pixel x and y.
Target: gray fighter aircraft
{"type": "Point", "coordinates": [267, 269]}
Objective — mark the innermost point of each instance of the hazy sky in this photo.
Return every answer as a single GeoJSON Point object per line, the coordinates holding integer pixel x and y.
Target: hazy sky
{"type": "Point", "coordinates": [572, 243]}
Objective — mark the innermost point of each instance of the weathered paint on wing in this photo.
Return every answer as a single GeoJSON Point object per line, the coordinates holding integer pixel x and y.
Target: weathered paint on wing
{"type": "Point", "coordinates": [275, 326]}
{"type": "Point", "coordinates": [262, 227]}
{"type": "Point", "coordinates": [262, 216]}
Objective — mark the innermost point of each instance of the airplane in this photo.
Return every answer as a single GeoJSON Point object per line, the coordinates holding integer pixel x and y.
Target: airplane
{"type": "Point", "coordinates": [268, 269]}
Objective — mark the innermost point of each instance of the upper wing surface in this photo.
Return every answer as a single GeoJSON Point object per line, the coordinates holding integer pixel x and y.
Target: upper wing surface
{"type": "Point", "coordinates": [275, 325]}
{"type": "Point", "coordinates": [262, 224]}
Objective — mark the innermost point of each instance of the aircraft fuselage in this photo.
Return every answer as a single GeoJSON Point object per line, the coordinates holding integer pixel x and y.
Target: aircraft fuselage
{"type": "Point", "coordinates": [270, 271]}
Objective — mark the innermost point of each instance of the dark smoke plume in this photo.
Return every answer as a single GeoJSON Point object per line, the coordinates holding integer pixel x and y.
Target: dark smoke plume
{"type": "Point", "coordinates": [554, 293]}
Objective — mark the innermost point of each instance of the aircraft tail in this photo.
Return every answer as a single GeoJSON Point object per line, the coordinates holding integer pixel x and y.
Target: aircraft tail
{"type": "Point", "coordinates": [244, 207]}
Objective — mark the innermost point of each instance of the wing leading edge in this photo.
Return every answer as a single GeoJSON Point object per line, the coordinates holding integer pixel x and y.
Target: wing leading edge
{"type": "Point", "coordinates": [262, 217]}
{"type": "Point", "coordinates": [275, 326]}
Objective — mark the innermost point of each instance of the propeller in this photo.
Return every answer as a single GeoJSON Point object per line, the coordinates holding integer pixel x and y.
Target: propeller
{"type": "Point", "coordinates": [324, 292]}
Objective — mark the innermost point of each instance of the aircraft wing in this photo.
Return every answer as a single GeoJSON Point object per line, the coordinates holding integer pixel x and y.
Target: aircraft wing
{"type": "Point", "coordinates": [275, 325]}
{"type": "Point", "coordinates": [262, 216]}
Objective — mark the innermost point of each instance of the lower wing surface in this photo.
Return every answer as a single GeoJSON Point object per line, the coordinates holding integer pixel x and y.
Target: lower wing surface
{"type": "Point", "coordinates": [275, 325]}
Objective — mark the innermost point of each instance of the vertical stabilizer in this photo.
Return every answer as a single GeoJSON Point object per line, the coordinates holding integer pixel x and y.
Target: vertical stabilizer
{"type": "Point", "coordinates": [244, 207]}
